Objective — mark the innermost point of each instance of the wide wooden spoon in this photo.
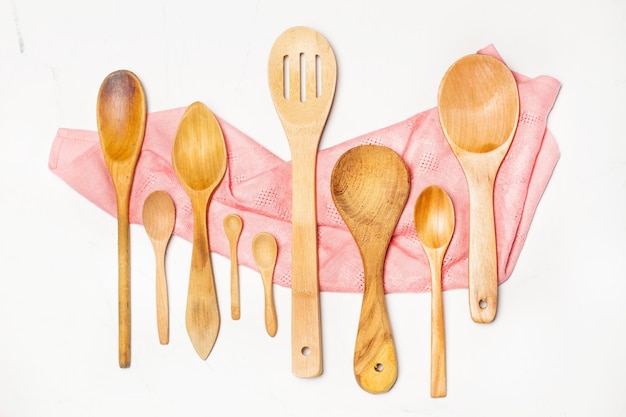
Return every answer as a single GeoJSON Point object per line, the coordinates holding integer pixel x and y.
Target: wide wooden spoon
{"type": "Point", "coordinates": [479, 109]}
{"type": "Point", "coordinates": [121, 117]}
{"type": "Point", "coordinates": [159, 217]}
{"type": "Point", "coordinates": [370, 185]}
{"type": "Point", "coordinates": [233, 226]}
{"type": "Point", "coordinates": [302, 76]}
{"type": "Point", "coordinates": [199, 160]}
{"type": "Point", "coordinates": [264, 250]}
{"type": "Point", "coordinates": [434, 225]}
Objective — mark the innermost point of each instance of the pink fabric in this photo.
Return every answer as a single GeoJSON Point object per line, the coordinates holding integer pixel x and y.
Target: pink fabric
{"type": "Point", "coordinates": [257, 186]}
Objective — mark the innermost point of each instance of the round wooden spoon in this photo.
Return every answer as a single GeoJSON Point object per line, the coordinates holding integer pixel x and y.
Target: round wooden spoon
{"type": "Point", "coordinates": [233, 226]}
{"type": "Point", "coordinates": [479, 109]}
{"type": "Point", "coordinates": [265, 249]}
{"type": "Point", "coordinates": [370, 185]}
{"type": "Point", "coordinates": [121, 117]}
{"type": "Point", "coordinates": [199, 160]}
{"type": "Point", "coordinates": [159, 216]}
{"type": "Point", "coordinates": [434, 225]}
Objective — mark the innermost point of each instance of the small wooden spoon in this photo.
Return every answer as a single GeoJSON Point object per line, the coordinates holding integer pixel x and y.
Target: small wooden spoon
{"type": "Point", "coordinates": [305, 57]}
{"type": "Point", "coordinates": [121, 117]}
{"type": "Point", "coordinates": [370, 185]}
{"type": "Point", "coordinates": [233, 226]}
{"type": "Point", "coordinates": [199, 160]}
{"type": "Point", "coordinates": [159, 216]}
{"type": "Point", "coordinates": [434, 225]}
{"type": "Point", "coordinates": [265, 249]}
{"type": "Point", "coordinates": [479, 109]}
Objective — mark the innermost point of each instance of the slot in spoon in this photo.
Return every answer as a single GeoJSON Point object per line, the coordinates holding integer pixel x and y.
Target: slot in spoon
{"type": "Point", "coordinates": [265, 249]}
{"type": "Point", "coordinates": [370, 185]}
{"type": "Point", "coordinates": [479, 109]}
{"type": "Point", "coordinates": [434, 225]}
{"type": "Point", "coordinates": [121, 118]}
{"type": "Point", "coordinates": [159, 216]}
{"type": "Point", "coordinates": [199, 160]}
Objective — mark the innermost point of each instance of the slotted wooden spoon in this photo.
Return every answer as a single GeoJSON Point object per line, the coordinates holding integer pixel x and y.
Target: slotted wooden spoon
{"type": "Point", "coordinates": [159, 217]}
{"type": "Point", "coordinates": [199, 160]}
{"type": "Point", "coordinates": [302, 76]}
{"type": "Point", "coordinates": [479, 109]}
{"type": "Point", "coordinates": [264, 250]}
{"type": "Point", "coordinates": [233, 226]}
{"type": "Point", "coordinates": [121, 117]}
{"type": "Point", "coordinates": [434, 225]}
{"type": "Point", "coordinates": [370, 185]}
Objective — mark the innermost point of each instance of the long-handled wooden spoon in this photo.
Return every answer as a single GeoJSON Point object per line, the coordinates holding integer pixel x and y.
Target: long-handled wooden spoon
{"type": "Point", "coordinates": [233, 226]}
{"type": "Point", "coordinates": [199, 160]}
{"type": "Point", "coordinates": [479, 110]}
{"type": "Point", "coordinates": [370, 185]}
{"type": "Point", "coordinates": [302, 76]}
{"type": "Point", "coordinates": [264, 250]}
{"type": "Point", "coordinates": [121, 117]}
{"type": "Point", "coordinates": [434, 225]}
{"type": "Point", "coordinates": [159, 216]}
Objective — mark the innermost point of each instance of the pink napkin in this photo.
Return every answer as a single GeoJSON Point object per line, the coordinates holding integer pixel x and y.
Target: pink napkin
{"type": "Point", "coordinates": [257, 186]}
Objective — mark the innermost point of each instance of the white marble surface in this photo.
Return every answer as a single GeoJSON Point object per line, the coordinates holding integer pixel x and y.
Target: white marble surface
{"type": "Point", "coordinates": [557, 346]}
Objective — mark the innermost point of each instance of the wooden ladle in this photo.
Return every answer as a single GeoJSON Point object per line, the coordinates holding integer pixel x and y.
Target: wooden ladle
{"type": "Point", "coordinates": [370, 185]}
{"type": "Point", "coordinates": [121, 117]}
{"type": "Point", "coordinates": [159, 217]}
{"type": "Point", "coordinates": [302, 74]}
{"type": "Point", "coordinates": [233, 226]}
{"type": "Point", "coordinates": [264, 250]}
{"type": "Point", "coordinates": [434, 225]}
{"type": "Point", "coordinates": [199, 160]}
{"type": "Point", "coordinates": [479, 110]}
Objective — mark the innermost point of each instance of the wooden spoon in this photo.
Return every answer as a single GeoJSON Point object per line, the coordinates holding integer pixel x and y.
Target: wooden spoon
{"type": "Point", "coordinates": [434, 225]}
{"type": "Point", "coordinates": [159, 216]}
{"type": "Point", "coordinates": [199, 160]}
{"type": "Point", "coordinates": [479, 108]}
{"type": "Point", "coordinates": [232, 227]}
{"type": "Point", "coordinates": [370, 185]}
{"type": "Point", "coordinates": [302, 77]}
{"type": "Point", "coordinates": [265, 249]}
{"type": "Point", "coordinates": [121, 117]}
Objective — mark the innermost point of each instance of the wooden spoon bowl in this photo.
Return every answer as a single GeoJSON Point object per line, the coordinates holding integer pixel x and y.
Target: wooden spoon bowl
{"type": "Point", "coordinates": [370, 185]}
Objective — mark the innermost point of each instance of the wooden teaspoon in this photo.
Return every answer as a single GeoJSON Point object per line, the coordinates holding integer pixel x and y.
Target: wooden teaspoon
{"type": "Point", "coordinates": [434, 225]}
{"type": "Point", "coordinates": [199, 160]}
{"type": "Point", "coordinates": [121, 117]}
{"type": "Point", "coordinates": [264, 250]}
{"type": "Point", "coordinates": [370, 185]}
{"type": "Point", "coordinates": [479, 109]}
{"type": "Point", "coordinates": [159, 216]}
{"type": "Point", "coordinates": [233, 226]}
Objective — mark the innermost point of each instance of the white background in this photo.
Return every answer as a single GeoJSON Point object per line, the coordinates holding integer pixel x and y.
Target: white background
{"type": "Point", "coordinates": [558, 345]}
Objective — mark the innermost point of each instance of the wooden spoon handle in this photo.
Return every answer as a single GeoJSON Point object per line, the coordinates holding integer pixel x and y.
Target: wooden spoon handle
{"type": "Point", "coordinates": [202, 317]}
{"type": "Point", "coordinates": [123, 284]}
{"type": "Point", "coordinates": [235, 309]}
{"type": "Point", "coordinates": [162, 307]}
{"type": "Point", "coordinates": [305, 302]}
{"type": "Point", "coordinates": [437, 333]}
{"type": "Point", "coordinates": [375, 362]}
{"type": "Point", "coordinates": [483, 267]}
{"type": "Point", "coordinates": [271, 323]}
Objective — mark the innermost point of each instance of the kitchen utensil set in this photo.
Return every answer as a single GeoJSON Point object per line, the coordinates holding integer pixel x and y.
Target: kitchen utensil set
{"type": "Point", "coordinates": [370, 185]}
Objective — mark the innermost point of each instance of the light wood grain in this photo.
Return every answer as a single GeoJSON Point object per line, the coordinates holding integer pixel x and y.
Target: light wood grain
{"type": "Point", "coordinates": [434, 225]}
{"type": "Point", "coordinates": [303, 117]}
{"type": "Point", "coordinates": [265, 250]}
{"type": "Point", "coordinates": [121, 118]}
{"type": "Point", "coordinates": [159, 217]}
{"type": "Point", "coordinates": [199, 160]}
{"type": "Point", "coordinates": [479, 110]}
{"type": "Point", "coordinates": [370, 185]}
{"type": "Point", "coordinates": [233, 226]}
